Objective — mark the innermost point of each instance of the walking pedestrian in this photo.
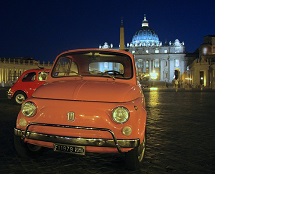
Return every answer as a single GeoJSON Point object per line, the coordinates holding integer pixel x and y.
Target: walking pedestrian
{"type": "Point", "coordinates": [176, 85]}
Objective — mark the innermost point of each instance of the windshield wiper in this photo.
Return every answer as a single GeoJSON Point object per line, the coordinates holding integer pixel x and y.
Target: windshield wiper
{"type": "Point", "coordinates": [107, 75]}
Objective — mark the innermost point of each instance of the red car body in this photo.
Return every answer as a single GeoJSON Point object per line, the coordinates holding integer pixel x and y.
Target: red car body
{"type": "Point", "coordinates": [92, 102]}
{"type": "Point", "coordinates": [26, 84]}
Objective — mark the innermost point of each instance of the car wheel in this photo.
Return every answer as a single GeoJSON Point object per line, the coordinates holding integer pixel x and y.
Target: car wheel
{"type": "Point", "coordinates": [20, 97]}
{"type": "Point", "coordinates": [26, 150]}
{"type": "Point", "coordinates": [135, 157]}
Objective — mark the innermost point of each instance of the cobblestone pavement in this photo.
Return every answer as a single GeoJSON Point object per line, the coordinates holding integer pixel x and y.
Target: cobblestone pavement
{"type": "Point", "coordinates": [180, 140]}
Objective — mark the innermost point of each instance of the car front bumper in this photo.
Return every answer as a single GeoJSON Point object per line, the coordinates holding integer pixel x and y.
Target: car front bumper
{"type": "Point", "coordinates": [95, 142]}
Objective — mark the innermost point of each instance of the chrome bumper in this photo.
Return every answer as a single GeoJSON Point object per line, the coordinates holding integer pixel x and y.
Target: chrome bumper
{"type": "Point", "coordinates": [98, 142]}
{"type": "Point", "coordinates": [9, 95]}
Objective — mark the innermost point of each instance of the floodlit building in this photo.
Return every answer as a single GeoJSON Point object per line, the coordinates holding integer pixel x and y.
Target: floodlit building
{"type": "Point", "coordinates": [201, 71]}
{"type": "Point", "coordinates": [155, 61]}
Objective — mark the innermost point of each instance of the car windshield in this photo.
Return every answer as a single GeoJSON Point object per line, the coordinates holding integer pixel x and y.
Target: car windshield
{"type": "Point", "coordinates": [93, 63]}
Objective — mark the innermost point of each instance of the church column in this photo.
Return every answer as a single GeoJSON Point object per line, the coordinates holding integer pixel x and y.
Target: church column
{"type": "Point", "coordinates": [167, 70]}
{"type": "Point", "coordinates": [161, 73]}
{"type": "Point", "coordinates": [162, 68]}
{"type": "Point", "coordinates": [6, 75]}
{"type": "Point", "coordinates": [1, 74]}
{"type": "Point", "coordinates": [151, 68]}
{"type": "Point", "coordinates": [171, 69]}
{"type": "Point", "coordinates": [144, 66]}
{"type": "Point", "coordinates": [168, 66]}
{"type": "Point", "coordinates": [152, 65]}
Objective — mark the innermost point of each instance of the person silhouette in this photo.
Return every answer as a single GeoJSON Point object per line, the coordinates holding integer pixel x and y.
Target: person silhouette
{"type": "Point", "coordinates": [176, 85]}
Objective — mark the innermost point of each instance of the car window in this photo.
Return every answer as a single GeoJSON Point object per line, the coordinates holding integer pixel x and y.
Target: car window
{"type": "Point", "coordinates": [65, 67]}
{"type": "Point", "coordinates": [99, 64]}
{"type": "Point", "coordinates": [109, 68]}
{"type": "Point", "coordinates": [42, 76]}
{"type": "Point", "coordinates": [29, 77]}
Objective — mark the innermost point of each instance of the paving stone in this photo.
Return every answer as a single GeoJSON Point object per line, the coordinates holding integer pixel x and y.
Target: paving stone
{"type": "Point", "coordinates": [180, 140]}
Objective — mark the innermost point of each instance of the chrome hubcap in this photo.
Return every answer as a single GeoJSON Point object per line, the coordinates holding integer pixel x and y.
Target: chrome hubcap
{"type": "Point", "coordinates": [20, 98]}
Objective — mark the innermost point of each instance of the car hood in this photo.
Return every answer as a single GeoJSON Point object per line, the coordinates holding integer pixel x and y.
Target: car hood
{"type": "Point", "coordinates": [87, 90]}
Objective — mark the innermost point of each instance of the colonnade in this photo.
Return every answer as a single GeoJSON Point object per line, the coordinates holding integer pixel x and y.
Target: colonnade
{"type": "Point", "coordinates": [11, 69]}
{"type": "Point", "coordinates": [163, 67]}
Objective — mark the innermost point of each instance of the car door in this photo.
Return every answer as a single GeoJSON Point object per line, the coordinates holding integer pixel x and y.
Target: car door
{"type": "Point", "coordinates": [33, 80]}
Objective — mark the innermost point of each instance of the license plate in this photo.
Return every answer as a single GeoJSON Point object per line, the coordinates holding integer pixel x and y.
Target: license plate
{"type": "Point", "coordinates": [78, 150]}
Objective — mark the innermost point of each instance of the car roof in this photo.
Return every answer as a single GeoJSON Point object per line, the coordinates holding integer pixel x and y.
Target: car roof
{"type": "Point", "coordinates": [38, 69]}
{"type": "Point", "coordinates": [97, 49]}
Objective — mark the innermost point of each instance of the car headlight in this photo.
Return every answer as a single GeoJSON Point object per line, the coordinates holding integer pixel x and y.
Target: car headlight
{"type": "Point", "coordinates": [120, 114]}
{"type": "Point", "coordinates": [28, 109]}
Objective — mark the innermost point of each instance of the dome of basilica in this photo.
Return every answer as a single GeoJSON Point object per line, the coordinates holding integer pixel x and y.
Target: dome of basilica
{"type": "Point", "coordinates": [145, 36]}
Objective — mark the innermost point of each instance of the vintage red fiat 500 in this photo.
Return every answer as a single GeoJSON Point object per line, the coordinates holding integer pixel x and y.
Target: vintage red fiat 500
{"type": "Point", "coordinates": [27, 83]}
{"type": "Point", "coordinates": [92, 102]}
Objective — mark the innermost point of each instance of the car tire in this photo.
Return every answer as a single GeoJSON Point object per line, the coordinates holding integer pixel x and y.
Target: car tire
{"type": "Point", "coordinates": [19, 97]}
{"type": "Point", "coordinates": [25, 150]}
{"type": "Point", "coordinates": [135, 157]}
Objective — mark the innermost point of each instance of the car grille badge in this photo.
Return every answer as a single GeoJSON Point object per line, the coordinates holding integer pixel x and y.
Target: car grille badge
{"type": "Point", "coordinates": [71, 116]}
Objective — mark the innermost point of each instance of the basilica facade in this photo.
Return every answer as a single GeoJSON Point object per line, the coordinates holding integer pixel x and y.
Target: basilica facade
{"type": "Point", "coordinates": [155, 61]}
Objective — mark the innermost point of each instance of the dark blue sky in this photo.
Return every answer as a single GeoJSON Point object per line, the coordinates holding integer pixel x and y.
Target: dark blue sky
{"type": "Point", "coordinates": [43, 29]}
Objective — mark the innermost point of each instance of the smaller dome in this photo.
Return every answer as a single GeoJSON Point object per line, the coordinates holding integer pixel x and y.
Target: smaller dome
{"type": "Point", "coordinates": [177, 43]}
{"type": "Point", "coordinates": [106, 45]}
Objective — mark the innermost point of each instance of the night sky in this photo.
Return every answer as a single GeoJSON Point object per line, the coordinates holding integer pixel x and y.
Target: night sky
{"type": "Point", "coordinates": [43, 29]}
